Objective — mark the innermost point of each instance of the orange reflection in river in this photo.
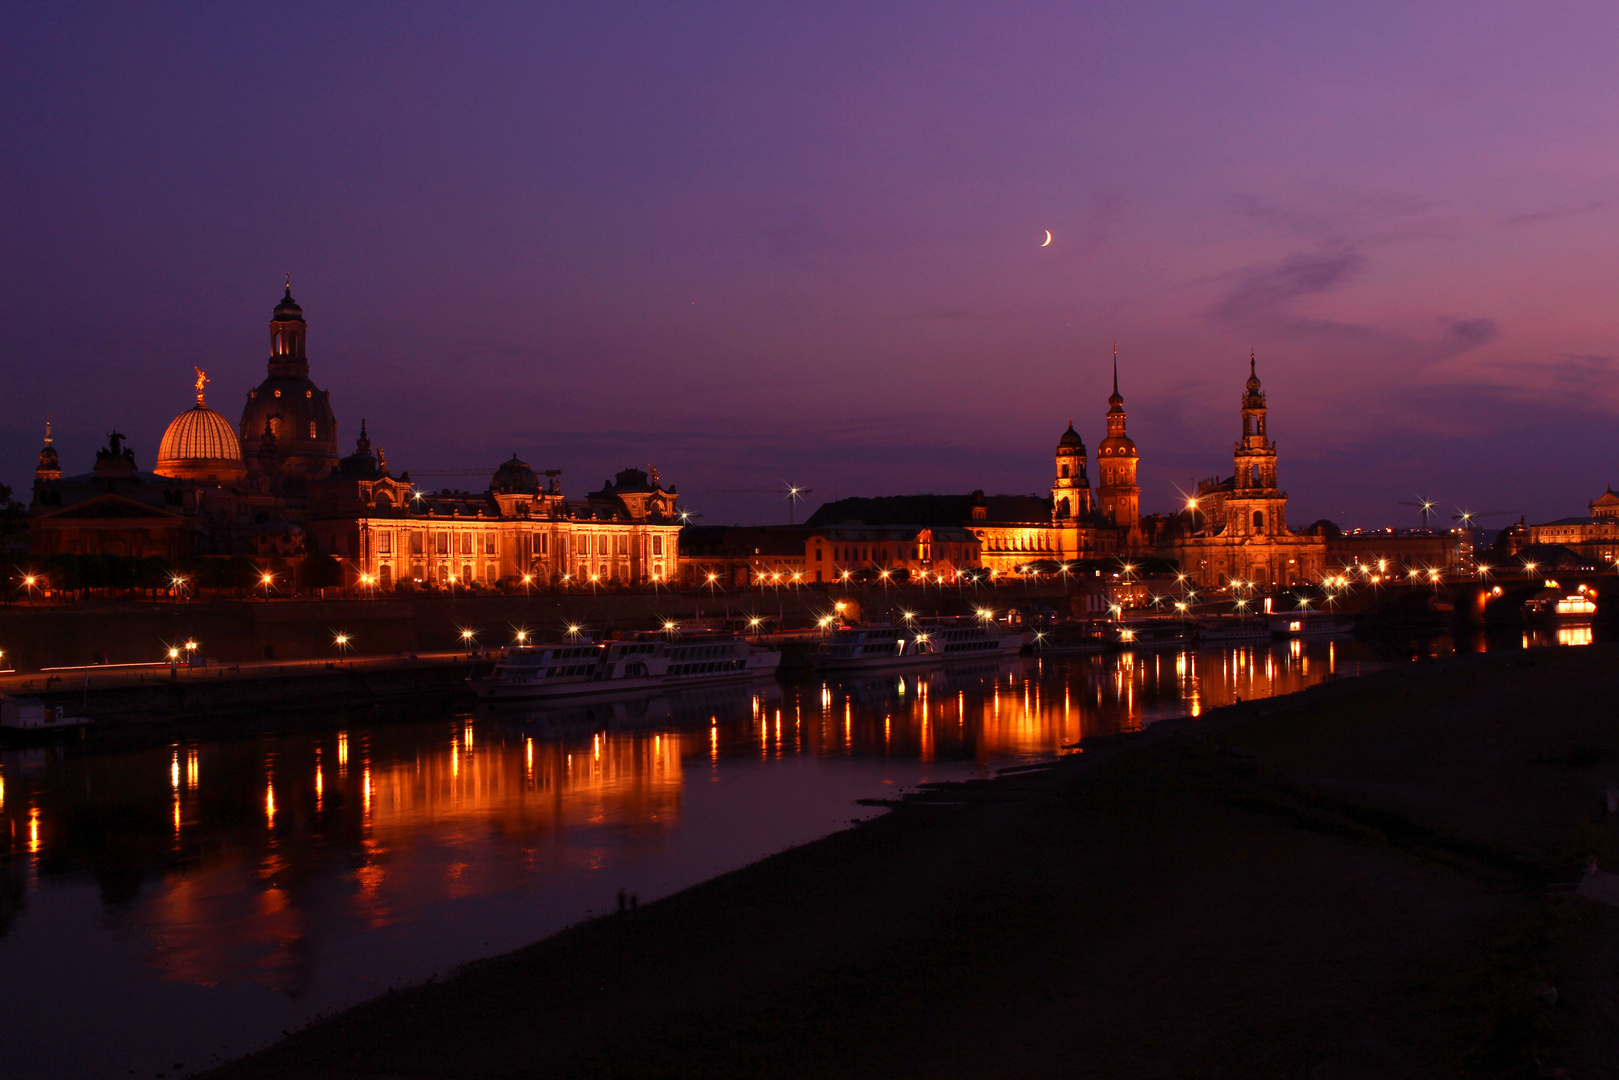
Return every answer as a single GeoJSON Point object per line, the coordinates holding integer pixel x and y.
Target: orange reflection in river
{"type": "Point", "coordinates": [242, 859]}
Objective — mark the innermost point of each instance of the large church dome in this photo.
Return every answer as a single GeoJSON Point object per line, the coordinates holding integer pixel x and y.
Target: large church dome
{"type": "Point", "coordinates": [288, 407]}
{"type": "Point", "coordinates": [200, 444]}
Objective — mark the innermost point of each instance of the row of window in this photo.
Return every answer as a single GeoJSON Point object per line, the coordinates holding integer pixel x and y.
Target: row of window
{"type": "Point", "coordinates": [466, 542]}
{"type": "Point", "coordinates": [704, 669]}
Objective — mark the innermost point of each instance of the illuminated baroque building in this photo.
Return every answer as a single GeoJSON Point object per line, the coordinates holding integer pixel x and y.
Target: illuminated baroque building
{"type": "Point", "coordinates": [627, 533]}
{"type": "Point", "coordinates": [1596, 537]}
{"type": "Point", "coordinates": [274, 485]}
{"type": "Point", "coordinates": [1236, 529]}
{"type": "Point", "coordinates": [736, 557]}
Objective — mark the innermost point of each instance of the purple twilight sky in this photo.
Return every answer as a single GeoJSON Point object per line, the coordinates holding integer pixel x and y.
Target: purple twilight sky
{"type": "Point", "coordinates": [759, 242]}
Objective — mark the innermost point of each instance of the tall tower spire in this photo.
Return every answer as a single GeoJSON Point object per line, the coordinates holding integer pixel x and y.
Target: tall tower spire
{"type": "Point", "coordinates": [1117, 496]}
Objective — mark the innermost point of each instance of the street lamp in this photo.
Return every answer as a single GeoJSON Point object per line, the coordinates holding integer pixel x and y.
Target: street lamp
{"type": "Point", "coordinates": [266, 580]}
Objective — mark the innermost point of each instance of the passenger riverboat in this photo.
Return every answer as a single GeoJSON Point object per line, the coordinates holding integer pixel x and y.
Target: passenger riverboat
{"type": "Point", "coordinates": [866, 648]}
{"type": "Point", "coordinates": [1232, 629]}
{"type": "Point", "coordinates": [1145, 635]}
{"type": "Point", "coordinates": [646, 662]}
{"type": "Point", "coordinates": [1294, 624]}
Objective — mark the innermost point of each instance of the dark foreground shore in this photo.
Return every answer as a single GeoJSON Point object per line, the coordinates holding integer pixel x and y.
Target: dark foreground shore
{"type": "Point", "coordinates": [1356, 881]}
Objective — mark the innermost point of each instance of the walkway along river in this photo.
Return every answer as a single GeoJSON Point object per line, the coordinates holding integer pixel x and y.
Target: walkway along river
{"type": "Point", "coordinates": [166, 908]}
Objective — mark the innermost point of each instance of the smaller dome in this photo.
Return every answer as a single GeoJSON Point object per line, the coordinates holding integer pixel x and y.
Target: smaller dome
{"type": "Point", "coordinates": [1070, 438]}
{"type": "Point", "coordinates": [288, 310]}
{"type": "Point", "coordinates": [514, 477]}
{"type": "Point", "coordinates": [200, 444]}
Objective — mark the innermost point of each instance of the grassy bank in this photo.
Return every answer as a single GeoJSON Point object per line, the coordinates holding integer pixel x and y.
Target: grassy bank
{"type": "Point", "coordinates": [1348, 882]}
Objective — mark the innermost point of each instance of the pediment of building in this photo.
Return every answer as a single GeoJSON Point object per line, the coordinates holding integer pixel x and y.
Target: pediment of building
{"type": "Point", "coordinates": [109, 507]}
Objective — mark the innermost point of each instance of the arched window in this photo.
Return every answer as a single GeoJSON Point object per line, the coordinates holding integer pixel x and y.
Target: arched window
{"type": "Point", "coordinates": [1065, 472]}
{"type": "Point", "coordinates": [1259, 519]}
{"type": "Point", "coordinates": [311, 429]}
{"type": "Point", "coordinates": [1062, 508]}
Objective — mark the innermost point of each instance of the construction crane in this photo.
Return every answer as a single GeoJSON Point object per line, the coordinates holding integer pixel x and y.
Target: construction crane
{"type": "Point", "coordinates": [1426, 506]}
{"type": "Point", "coordinates": [1467, 519]}
{"type": "Point", "coordinates": [791, 492]}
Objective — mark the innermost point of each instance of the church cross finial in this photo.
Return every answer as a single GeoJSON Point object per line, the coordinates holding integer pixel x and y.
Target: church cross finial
{"type": "Point", "coordinates": [47, 431]}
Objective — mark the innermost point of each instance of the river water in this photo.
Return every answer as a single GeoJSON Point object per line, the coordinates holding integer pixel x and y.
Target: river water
{"type": "Point", "coordinates": [172, 906]}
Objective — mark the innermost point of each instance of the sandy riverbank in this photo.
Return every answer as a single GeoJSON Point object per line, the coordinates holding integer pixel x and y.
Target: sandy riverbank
{"type": "Point", "coordinates": [1347, 882]}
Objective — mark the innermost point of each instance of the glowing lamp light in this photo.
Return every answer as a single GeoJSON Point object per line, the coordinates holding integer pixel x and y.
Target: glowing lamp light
{"type": "Point", "coordinates": [522, 637]}
{"type": "Point", "coordinates": [265, 579]}
{"type": "Point", "coordinates": [755, 621]}
{"type": "Point", "coordinates": [174, 654]}
{"type": "Point", "coordinates": [466, 635]}
{"type": "Point", "coordinates": [341, 640]}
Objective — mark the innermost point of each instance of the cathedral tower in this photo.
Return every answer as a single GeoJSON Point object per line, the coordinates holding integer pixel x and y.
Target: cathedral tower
{"type": "Point", "coordinates": [1071, 490]}
{"type": "Point", "coordinates": [1118, 497]}
{"type": "Point", "coordinates": [1255, 506]}
{"type": "Point", "coordinates": [48, 474]}
{"type": "Point", "coordinates": [290, 407]}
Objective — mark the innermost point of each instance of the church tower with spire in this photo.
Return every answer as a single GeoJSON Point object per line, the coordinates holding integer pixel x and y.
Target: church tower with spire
{"type": "Point", "coordinates": [48, 473]}
{"type": "Point", "coordinates": [1118, 498]}
{"type": "Point", "coordinates": [1255, 506]}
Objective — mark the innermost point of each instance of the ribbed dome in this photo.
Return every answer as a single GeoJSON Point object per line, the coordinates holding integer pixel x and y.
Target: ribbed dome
{"type": "Point", "coordinates": [200, 444]}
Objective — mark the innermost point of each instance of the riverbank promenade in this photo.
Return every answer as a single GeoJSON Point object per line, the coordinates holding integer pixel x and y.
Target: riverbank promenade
{"type": "Point", "coordinates": [1372, 878]}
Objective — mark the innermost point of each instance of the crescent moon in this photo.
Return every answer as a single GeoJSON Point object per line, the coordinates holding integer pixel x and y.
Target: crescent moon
{"type": "Point", "coordinates": [1048, 239]}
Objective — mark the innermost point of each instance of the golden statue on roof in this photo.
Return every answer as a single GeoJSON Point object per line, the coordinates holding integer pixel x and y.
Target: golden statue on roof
{"type": "Point", "coordinates": [202, 380]}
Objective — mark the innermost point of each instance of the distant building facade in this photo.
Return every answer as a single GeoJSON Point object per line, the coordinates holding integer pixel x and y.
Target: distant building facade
{"type": "Point", "coordinates": [742, 556]}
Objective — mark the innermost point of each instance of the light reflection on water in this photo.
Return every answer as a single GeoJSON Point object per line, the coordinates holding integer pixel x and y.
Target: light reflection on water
{"type": "Point", "coordinates": [185, 903]}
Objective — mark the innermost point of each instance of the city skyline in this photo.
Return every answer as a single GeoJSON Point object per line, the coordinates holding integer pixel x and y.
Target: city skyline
{"type": "Point", "coordinates": [754, 247]}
